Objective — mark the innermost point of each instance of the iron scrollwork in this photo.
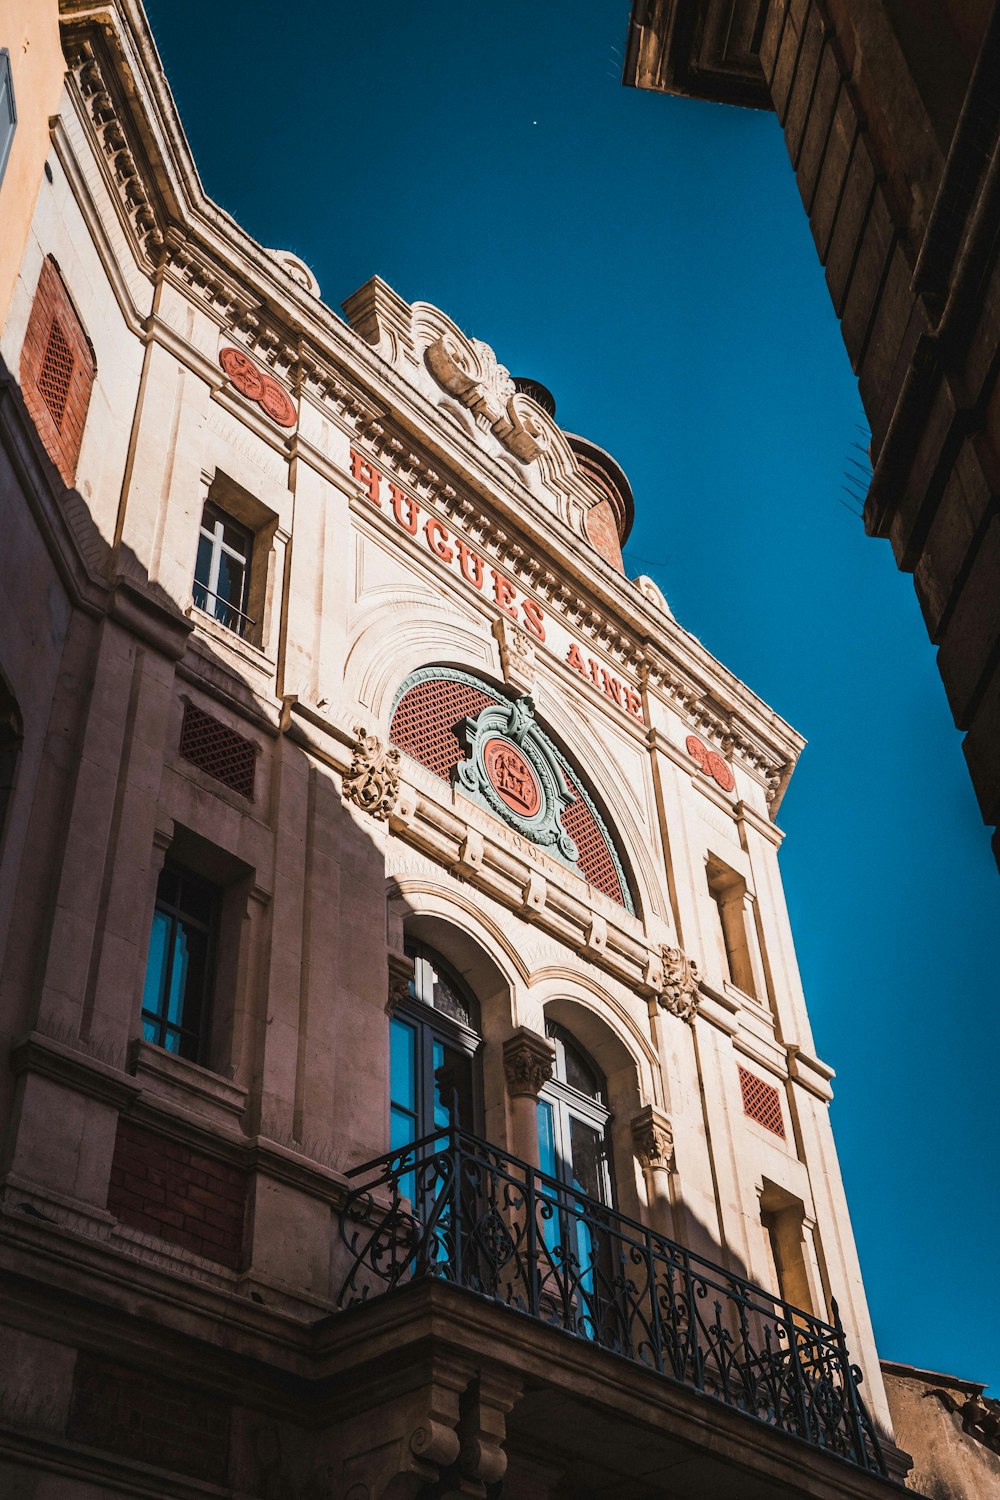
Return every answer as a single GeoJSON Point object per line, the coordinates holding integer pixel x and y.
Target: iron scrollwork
{"type": "Point", "coordinates": [454, 1207]}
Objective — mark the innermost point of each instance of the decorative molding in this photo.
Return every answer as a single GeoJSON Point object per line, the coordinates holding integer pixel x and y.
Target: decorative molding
{"type": "Point", "coordinates": [258, 386]}
{"type": "Point", "coordinates": [372, 783]}
{"type": "Point", "coordinates": [680, 994]}
{"type": "Point", "coordinates": [297, 270]}
{"type": "Point", "coordinates": [653, 594]}
{"type": "Point", "coordinates": [517, 654]}
{"type": "Point", "coordinates": [512, 771]}
{"type": "Point", "coordinates": [400, 976]}
{"type": "Point", "coordinates": [470, 371]}
{"type": "Point", "coordinates": [527, 1063]}
{"type": "Point", "coordinates": [110, 132]}
{"type": "Point", "coordinates": [711, 762]}
{"type": "Point", "coordinates": [653, 1138]}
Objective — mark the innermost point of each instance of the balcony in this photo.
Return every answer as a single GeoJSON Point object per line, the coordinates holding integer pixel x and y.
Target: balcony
{"type": "Point", "coordinates": [454, 1209]}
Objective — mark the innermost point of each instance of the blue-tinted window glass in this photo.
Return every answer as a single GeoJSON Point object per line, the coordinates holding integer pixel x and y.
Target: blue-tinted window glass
{"type": "Point", "coordinates": [157, 966]}
{"type": "Point", "coordinates": [177, 968]}
{"type": "Point", "coordinates": [403, 1066]}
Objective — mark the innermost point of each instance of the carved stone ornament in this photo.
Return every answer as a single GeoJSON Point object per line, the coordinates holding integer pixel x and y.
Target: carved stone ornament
{"type": "Point", "coordinates": [517, 654]}
{"type": "Point", "coordinates": [297, 270]}
{"type": "Point", "coordinates": [258, 386]}
{"type": "Point", "coordinates": [711, 762]}
{"type": "Point", "coordinates": [527, 1063]}
{"type": "Point", "coordinates": [469, 370]}
{"type": "Point", "coordinates": [372, 783]}
{"type": "Point", "coordinates": [680, 994]}
{"type": "Point", "coordinates": [512, 772]}
{"type": "Point", "coordinates": [400, 979]}
{"type": "Point", "coordinates": [652, 1138]}
{"type": "Point", "coordinates": [652, 593]}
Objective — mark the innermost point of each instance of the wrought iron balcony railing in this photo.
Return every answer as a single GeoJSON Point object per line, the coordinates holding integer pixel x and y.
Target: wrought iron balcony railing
{"type": "Point", "coordinates": [453, 1207]}
{"type": "Point", "coordinates": [220, 609]}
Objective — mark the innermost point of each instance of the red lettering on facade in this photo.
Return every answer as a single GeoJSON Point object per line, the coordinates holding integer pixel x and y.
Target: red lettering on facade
{"type": "Point", "coordinates": [575, 659]}
{"type": "Point", "coordinates": [504, 593]}
{"type": "Point", "coordinates": [633, 704]}
{"type": "Point", "coordinates": [595, 671]}
{"type": "Point", "coordinates": [534, 620]}
{"type": "Point", "coordinates": [466, 556]}
{"type": "Point", "coordinates": [366, 474]}
{"type": "Point", "coordinates": [437, 540]}
{"type": "Point", "coordinates": [611, 686]}
{"type": "Point", "coordinates": [413, 512]}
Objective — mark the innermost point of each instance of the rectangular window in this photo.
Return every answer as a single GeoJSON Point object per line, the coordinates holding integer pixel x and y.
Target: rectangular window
{"type": "Point", "coordinates": [222, 571]}
{"type": "Point", "coordinates": [8, 111]}
{"type": "Point", "coordinates": [729, 894]}
{"type": "Point", "coordinates": [177, 989]}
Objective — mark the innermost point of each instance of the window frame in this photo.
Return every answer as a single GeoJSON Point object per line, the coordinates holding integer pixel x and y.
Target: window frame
{"type": "Point", "coordinates": [8, 127]}
{"type": "Point", "coordinates": [432, 1025]}
{"type": "Point", "coordinates": [220, 548]}
{"type": "Point", "coordinates": [199, 1036]}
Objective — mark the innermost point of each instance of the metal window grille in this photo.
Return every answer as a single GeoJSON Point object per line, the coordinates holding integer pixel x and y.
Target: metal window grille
{"type": "Point", "coordinates": [218, 750]}
{"type": "Point", "coordinates": [595, 859]}
{"type": "Point", "coordinates": [761, 1102]}
{"type": "Point", "coordinates": [56, 373]}
{"type": "Point", "coordinates": [426, 718]}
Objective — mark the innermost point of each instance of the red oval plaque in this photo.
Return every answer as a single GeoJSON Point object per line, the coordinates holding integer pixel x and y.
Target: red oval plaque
{"type": "Point", "coordinates": [512, 778]}
{"type": "Point", "coordinates": [258, 386]}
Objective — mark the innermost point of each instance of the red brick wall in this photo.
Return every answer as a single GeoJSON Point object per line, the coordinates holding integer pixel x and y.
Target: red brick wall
{"type": "Point", "coordinates": [57, 371]}
{"type": "Point", "coordinates": [179, 1194]}
{"type": "Point", "coordinates": [155, 1421]}
{"type": "Point", "coordinates": [603, 533]}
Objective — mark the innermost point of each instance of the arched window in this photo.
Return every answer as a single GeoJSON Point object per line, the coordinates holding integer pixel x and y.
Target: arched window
{"type": "Point", "coordinates": [573, 1119]}
{"type": "Point", "coordinates": [435, 1043]}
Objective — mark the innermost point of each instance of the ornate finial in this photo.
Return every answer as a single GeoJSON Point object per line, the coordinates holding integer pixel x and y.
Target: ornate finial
{"type": "Point", "coordinates": [527, 1063]}
{"type": "Point", "coordinates": [680, 994]}
{"type": "Point", "coordinates": [372, 783]}
{"type": "Point", "coordinates": [652, 1138]}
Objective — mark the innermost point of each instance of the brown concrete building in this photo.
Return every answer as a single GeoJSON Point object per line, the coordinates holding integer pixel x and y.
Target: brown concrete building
{"type": "Point", "coordinates": [406, 1082]}
{"type": "Point", "coordinates": [891, 115]}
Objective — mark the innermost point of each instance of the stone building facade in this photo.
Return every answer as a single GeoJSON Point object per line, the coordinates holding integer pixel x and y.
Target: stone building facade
{"type": "Point", "coordinates": [891, 115]}
{"type": "Point", "coordinates": [408, 1087]}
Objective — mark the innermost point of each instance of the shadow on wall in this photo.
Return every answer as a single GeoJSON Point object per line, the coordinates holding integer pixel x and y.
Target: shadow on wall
{"type": "Point", "coordinates": [207, 1145]}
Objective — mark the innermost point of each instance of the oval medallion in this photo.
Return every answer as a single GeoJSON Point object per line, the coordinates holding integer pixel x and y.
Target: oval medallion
{"type": "Point", "coordinates": [512, 778]}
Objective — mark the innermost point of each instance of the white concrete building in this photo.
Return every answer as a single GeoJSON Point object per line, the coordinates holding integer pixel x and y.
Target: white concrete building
{"type": "Point", "coordinates": [356, 799]}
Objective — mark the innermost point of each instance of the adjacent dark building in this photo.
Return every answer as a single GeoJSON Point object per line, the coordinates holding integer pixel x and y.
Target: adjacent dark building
{"type": "Point", "coordinates": [891, 114]}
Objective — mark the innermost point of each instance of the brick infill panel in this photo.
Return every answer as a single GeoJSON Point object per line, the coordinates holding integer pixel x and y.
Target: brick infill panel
{"type": "Point", "coordinates": [142, 1416]}
{"type": "Point", "coordinates": [170, 1190]}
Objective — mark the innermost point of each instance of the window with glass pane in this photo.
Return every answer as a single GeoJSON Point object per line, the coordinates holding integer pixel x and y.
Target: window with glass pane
{"type": "Point", "coordinates": [222, 570]}
{"type": "Point", "coordinates": [573, 1149]}
{"type": "Point", "coordinates": [178, 969]}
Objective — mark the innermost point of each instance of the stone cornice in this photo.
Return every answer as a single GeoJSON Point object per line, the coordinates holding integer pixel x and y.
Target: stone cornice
{"type": "Point", "coordinates": [177, 232]}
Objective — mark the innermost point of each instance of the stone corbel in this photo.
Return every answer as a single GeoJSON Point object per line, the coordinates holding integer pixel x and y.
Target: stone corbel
{"type": "Point", "coordinates": [372, 783]}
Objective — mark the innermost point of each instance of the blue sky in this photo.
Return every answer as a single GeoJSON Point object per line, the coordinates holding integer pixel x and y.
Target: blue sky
{"type": "Point", "coordinates": [648, 259]}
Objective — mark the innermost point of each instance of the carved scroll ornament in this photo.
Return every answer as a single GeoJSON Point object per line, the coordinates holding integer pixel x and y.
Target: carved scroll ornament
{"type": "Point", "coordinates": [469, 370]}
{"type": "Point", "coordinates": [372, 783]}
{"type": "Point", "coordinates": [680, 994]}
{"type": "Point", "coordinates": [527, 1063]}
{"type": "Point", "coordinates": [652, 1138]}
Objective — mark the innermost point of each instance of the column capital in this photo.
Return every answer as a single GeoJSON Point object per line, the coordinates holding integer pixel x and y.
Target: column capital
{"type": "Point", "coordinates": [653, 1138]}
{"type": "Point", "coordinates": [527, 1062]}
